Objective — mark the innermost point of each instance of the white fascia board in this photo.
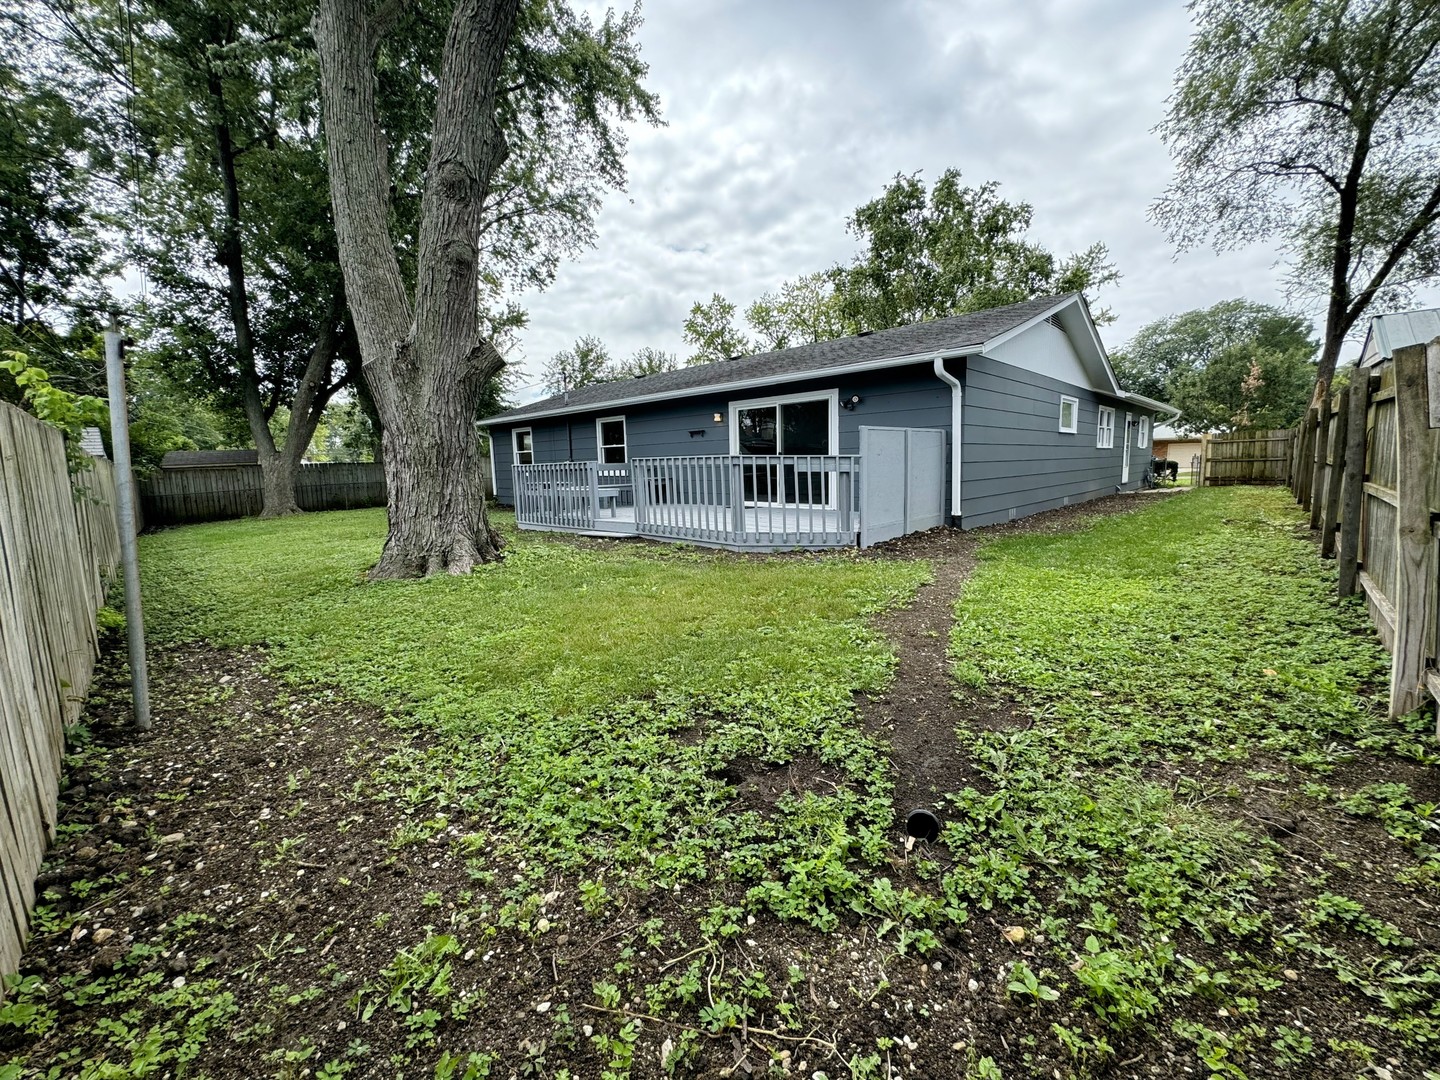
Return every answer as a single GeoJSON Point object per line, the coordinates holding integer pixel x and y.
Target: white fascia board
{"type": "Point", "coordinates": [1150, 403]}
{"type": "Point", "coordinates": [739, 384]}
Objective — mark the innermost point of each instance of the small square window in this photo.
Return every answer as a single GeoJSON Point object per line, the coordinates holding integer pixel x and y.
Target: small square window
{"type": "Point", "coordinates": [1069, 415]}
{"type": "Point", "coordinates": [1105, 428]}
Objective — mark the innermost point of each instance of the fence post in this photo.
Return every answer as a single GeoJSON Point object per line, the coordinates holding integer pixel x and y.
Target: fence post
{"type": "Point", "coordinates": [1339, 421]}
{"type": "Point", "coordinates": [1303, 475]}
{"type": "Point", "coordinates": [1414, 572]}
{"type": "Point", "coordinates": [1356, 436]}
{"type": "Point", "coordinates": [1316, 466]}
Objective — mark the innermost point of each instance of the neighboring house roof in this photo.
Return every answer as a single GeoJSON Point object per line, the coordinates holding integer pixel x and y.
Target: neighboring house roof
{"type": "Point", "coordinates": [1398, 331]}
{"type": "Point", "coordinates": [91, 442]}
{"type": "Point", "coordinates": [200, 459]}
{"type": "Point", "coordinates": [1166, 433]}
{"type": "Point", "coordinates": [959, 335]}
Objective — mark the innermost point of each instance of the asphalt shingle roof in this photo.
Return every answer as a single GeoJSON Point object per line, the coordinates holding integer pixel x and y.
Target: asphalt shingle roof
{"type": "Point", "coordinates": [956, 333]}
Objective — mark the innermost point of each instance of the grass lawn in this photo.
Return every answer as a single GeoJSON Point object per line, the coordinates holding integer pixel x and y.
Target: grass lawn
{"type": "Point", "coordinates": [612, 809]}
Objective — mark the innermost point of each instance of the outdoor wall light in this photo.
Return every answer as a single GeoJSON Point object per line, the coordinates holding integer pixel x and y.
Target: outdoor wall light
{"type": "Point", "coordinates": [719, 418]}
{"type": "Point", "coordinates": [850, 402]}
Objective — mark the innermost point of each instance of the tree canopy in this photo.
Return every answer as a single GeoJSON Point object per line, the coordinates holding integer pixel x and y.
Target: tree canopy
{"type": "Point", "coordinates": [1235, 364]}
{"type": "Point", "coordinates": [1317, 124]}
{"type": "Point", "coordinates": [949, 250]}
{"type": "Point", "coordinates": [585, 363]}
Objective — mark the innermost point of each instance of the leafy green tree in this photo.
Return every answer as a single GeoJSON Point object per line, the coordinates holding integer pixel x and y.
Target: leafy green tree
{"type": "Point", "coordinates": [512, 126]}
{"type": "Point", "coordinates": [951, 249]}
{"type": "Point", "coordinates": [1238, 363]}
{"type": "Point", "coordinates": [588, 362]}
{"type": "Point", "coordinates": [1318, 124]}
{"type": "Point", "coordinates": [230, 217]}
{"type": "Point", "coordinates": [801, 312]}
{"type": "Point", "coordinates": [52, 254]}
{"type": "Point", "coordinates": [711, 333]}
{"type": "Point", "coordinates": [646, 361]}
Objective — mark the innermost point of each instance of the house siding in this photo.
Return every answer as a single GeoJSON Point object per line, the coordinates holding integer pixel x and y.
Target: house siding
{"type": "Point", "coordinates": [1016, 461]}
{"type": "Point", "coordinates": [908, 396]}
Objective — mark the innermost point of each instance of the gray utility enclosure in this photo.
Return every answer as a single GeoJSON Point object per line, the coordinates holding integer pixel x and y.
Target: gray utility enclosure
{"type": "Point", "coordinates": [964, 421]}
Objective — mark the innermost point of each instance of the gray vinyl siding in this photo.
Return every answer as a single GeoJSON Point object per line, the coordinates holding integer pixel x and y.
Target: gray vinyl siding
{"type": "Point", "coordinates": [1016, 461]}
{"type": "Point", "coordinates": [896, 397]}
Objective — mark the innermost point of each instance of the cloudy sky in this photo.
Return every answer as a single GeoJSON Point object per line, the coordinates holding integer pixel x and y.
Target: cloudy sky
{"type": "Point", "coordinates": [782, 116]}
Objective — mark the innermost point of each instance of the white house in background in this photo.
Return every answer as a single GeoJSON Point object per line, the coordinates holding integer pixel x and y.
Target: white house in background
{"type": "Point", "coordinates": [1398, 331]}
{"type": "Point", "coordinates": [1173, 446]}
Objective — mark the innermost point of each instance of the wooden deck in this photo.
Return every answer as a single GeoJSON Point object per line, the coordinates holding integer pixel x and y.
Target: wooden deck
{"type": "Point", "coordinates": [766, 527]}
{"type": "Point", "coordinates": [712, 501]}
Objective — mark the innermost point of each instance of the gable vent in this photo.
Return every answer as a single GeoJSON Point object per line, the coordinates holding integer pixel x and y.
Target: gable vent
{"type": "Point", "coordinates": [1054, 320]}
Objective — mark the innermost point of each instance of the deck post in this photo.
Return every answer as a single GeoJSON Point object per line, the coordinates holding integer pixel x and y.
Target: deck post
{"type": "Point", "coordinates": [737, 497]}
{"type": "Point", "coordinates": [844, 497]}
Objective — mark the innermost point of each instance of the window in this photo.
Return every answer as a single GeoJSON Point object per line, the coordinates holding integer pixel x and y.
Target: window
{"type": "Point", "coordinates": [524, 446]}
{"type": "Point", "coordinates": [1069, 415]}
{"type": "Point", "coordinates": [1143, 438]}
{"type": "Point", "coordinates": [610, 438]}
{"type": "Point", "coordinates": [1105, 428]}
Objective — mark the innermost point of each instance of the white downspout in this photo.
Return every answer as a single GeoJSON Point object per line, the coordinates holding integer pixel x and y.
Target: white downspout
{"type": "Point", "coordinates": [956, 401]}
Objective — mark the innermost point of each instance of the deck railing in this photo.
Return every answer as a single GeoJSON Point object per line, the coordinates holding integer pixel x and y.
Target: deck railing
{"type": "Point", "coordinates": [782, 500]}
{"type": "Point", "coordinates": [557, 495]}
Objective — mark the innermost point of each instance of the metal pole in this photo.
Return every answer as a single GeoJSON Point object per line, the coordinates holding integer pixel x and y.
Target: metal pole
{"type": "Point", "coordinates": [125, 515]}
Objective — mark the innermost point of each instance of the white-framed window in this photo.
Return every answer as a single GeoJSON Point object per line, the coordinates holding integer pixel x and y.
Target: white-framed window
{"type": "Point", "coordinates": [1069, 415]}
{"type": "Point", "coordinates": [1142, 437]}
{"type": "Point", "coordinates": [523, 441]}
{"type": "Point", "coordinates": [610, 440]}
{"type": "Point", "coordinates": [1105, 428]}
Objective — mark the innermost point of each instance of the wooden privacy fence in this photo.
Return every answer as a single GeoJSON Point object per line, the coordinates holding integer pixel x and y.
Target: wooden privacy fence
{"type": "Point", "coordinates": [177, 496]}
{"type": "Point", "coordinates": [58, 552]}
{"type": "Point", "coordinates": [217, 492]}
{"type": "Point", "coordinates": [1367, 467]}
{"type": "Point", "coordinates": [1246, 457]}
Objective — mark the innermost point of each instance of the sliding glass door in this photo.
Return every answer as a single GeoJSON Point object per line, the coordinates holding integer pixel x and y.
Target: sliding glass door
{"type": "Point", "coordinates": [785, 428]}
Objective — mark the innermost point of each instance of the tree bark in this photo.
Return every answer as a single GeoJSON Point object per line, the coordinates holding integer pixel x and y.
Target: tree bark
{"type": "Point", "coordinates": [425, 365]}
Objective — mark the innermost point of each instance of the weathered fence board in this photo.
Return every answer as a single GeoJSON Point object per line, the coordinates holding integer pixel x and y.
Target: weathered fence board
{"type": "Point", "coordinates": [1379, 516]}
{"type": "Point", "coordinates": [215, 493]}
{"type": "Point", "coordinates": [1247, 457]}
{"type": "Point", "coordinates": [58, 550]}
{"type": "Point", "coordinates": [179, 496]}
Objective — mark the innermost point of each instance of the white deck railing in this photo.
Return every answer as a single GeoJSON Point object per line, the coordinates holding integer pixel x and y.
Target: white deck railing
{"type": "Point", "coordinates": [744, 501]}
{"type": "Point", "coordinates": [783, 500]}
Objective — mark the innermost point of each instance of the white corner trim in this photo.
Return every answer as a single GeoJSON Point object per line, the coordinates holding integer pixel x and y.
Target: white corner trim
{"type": "Point", "coordinates": [957, 401]}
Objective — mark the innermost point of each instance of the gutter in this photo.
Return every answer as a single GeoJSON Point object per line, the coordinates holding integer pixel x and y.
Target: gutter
{"type": "Point", "coordinates": [957, 398]}
{"type": "Point", "coordinates": [1150, 403]}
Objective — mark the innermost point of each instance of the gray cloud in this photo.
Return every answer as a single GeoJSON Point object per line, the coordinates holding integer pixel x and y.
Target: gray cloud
{"type": "Point", "coordinates": [784, 115]}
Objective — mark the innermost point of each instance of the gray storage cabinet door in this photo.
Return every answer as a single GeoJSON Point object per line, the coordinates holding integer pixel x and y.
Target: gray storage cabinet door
{"type": "Point", "coordinates": [902, 481]}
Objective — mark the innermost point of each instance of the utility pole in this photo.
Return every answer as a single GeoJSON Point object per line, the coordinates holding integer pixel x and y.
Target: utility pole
{"type": "Point", "coordinates": [125, 519]}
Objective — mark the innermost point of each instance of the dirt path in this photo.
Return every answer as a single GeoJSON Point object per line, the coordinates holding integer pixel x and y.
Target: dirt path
{"type": "Point", "coordinates": [918, 715]}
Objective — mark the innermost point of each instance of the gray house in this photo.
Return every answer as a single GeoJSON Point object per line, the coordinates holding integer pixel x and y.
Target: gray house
{"type": "Point", "coordinates": [965, 421]}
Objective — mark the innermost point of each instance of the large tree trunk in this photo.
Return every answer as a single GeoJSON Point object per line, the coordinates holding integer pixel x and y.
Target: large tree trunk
{"type": "Point", "coordinates": [425, 365]}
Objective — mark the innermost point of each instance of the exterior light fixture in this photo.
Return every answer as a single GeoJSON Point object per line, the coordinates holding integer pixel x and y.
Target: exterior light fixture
{"type": "Point", "coordinates": [719, 418]}
{"type": "Point", "coordinates": [850, 402]}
